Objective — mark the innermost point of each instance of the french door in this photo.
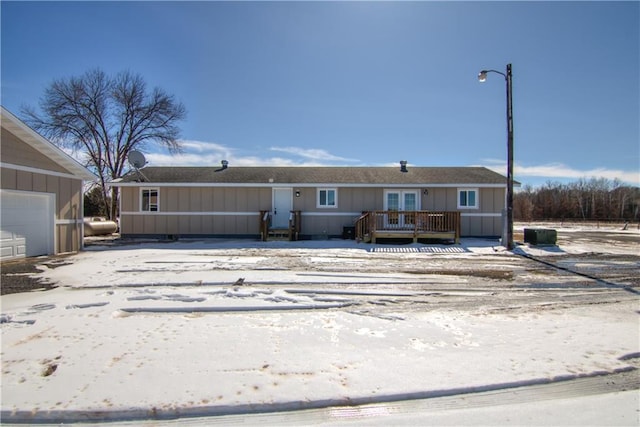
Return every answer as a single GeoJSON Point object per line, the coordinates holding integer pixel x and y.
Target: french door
{"type": "Point", "coordinates": [401, 205]}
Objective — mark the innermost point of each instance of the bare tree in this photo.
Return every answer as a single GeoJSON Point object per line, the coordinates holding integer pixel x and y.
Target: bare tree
{"type": "Point", "coordinates": [105, 118]}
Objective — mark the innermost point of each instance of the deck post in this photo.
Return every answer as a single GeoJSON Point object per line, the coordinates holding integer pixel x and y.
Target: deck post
{"type": "Point", "coordinates": [295, 220]}
{"type": "Point", "coordinates": [373, 226]}
{"type": "Point", "coordinates": [264, 225]}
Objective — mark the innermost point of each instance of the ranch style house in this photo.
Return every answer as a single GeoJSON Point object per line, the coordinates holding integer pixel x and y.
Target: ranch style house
{"type": "Point", "coordinates": [366, 203]}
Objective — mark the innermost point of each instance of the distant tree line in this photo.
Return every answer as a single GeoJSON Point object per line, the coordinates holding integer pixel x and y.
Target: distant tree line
{"type": "Point", "coordinates": [594, 199]}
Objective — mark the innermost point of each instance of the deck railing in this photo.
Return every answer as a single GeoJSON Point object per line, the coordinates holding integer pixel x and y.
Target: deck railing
{"type": "Point", "coordinates": [412, 224]}
{"type": "Point", "coordinates": [295, 225]}
{"type": "Point", "coordinates": [363, 226]}
{"type": "Point", "coordinates": [264, 225]}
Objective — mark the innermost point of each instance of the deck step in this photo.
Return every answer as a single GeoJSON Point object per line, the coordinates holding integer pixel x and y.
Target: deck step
{"type": "Point", "coordinates": [279, 234]}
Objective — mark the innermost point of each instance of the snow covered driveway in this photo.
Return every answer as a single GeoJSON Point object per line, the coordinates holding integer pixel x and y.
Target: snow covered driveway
{"type": "Point", "coordinates": [159, 330]}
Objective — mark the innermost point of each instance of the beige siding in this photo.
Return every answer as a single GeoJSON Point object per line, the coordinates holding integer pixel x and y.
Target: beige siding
{"type": "Point", "coordinates": [15, 152]}
{"type": "Point", "coordinates": [349, 200]}
{"type": "Point", "coordinates": [53, 184]}
{"type": "Point", "coordinates": [128, 199]}
{"type": "Point", "coordinates": [491, 201]}
{"type": "Point", "coordinates": [68, 237]}
{"type": "Point", "coordinates": [244, 204]}
{"type": "Point", "coordinates": [440, 199]}
{"type": "Point", "coordinates": [40, 183]}
{"type": "Point", "coordinates": [65, 201]}
{"type": "Point", "coordinates": [314, 225]}
{"type": "Point", "coordinates": [172, 225]}
{"type": "Point", "coordinates": [202, 199]}
{"type": "Point", "coordinates": [68, 195]}
{"type": "Point", "coordinates": [9, 178]}
{"type": "Point", "coordinates": [162, 225]}
{"type": "Point", "coordinates": [317, 221]}
{"type": "Point", "coordinates": [24, 181]}
{"type": "Point", "coordinates": [481, 226]}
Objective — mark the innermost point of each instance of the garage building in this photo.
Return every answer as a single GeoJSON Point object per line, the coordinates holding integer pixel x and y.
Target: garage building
{"type": "Point", "coordinates": [41, 194]}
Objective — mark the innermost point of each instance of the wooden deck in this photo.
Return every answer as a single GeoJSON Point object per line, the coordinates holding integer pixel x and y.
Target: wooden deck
{"type": "Point", "coordinates": [415, 225]}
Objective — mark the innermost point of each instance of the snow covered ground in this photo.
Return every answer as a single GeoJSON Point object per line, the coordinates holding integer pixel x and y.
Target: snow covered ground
{"type": "Point", "coordinates": [191, 328]}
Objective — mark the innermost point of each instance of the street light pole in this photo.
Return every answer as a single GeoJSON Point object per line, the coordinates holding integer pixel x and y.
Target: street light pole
{"type": "Point", "coordinates": [482, 77]}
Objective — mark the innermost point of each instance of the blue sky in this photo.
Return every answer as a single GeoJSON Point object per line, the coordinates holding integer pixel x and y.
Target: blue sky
{"type": "Point", "coordinates": [359, 83]}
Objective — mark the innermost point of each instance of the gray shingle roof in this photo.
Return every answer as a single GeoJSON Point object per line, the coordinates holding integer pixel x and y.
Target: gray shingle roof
{"type": "Point", "coordinates": [317, 175]}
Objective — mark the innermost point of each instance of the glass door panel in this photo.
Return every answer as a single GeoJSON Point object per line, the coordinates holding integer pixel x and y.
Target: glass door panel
{"type": "Point", "coordinates": [393, 206]}
{"type": "Point", "coordinates": [410, 204]}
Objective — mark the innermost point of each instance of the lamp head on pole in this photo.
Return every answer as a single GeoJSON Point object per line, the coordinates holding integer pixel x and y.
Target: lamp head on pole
{"type": "Point", "coordinates": [482, 76]}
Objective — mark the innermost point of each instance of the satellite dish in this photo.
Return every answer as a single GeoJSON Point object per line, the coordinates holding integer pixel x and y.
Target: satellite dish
{"type": "Point", "coordinates": [136, 159]}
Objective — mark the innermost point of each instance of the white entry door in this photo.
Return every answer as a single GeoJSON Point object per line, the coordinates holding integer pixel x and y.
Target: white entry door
{"type": "Point", "coordinates": [399, 201]}
{"type": "Point", "coordinates": [282, 205]}
{"type": "Point", "coordinates": [27, 224]}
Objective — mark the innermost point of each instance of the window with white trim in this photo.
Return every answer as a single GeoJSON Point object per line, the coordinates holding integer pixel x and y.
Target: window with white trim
{"type": "Point", "coordinates": [327, 198]}
{"type": "Point", "coordinates": [149, 199]}
{"type": "Point", "coordinates": [467, 198]}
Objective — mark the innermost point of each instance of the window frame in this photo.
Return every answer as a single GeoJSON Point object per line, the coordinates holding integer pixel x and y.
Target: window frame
{"type": "Point", "coordinates": [327, 206]}
{"type": "Point", "coordinates": [476, 205]}
{"type": "Point", "coordinates": [142, 196]}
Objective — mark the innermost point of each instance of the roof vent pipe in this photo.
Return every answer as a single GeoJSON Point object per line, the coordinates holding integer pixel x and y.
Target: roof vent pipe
{"type": "Point", "coordinates": [403, 166]}
{"type": "Point", "coordinates": [225, 164]}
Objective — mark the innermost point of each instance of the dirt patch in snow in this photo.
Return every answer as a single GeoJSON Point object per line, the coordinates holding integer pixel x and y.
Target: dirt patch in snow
{"type": "Point", "coordinates": [21, 275]}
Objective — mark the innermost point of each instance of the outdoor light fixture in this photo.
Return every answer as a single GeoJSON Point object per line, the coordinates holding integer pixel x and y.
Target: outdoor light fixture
{"type": "Point", "coordinates": [297, 193]}
{"type": "Point", "coordinates": [482, 77]}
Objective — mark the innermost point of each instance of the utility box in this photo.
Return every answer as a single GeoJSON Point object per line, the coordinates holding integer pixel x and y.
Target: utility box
{"type": "Point", "coordinates": [348, 233]}
{"type": "Point", "coordinates": [540, 236]}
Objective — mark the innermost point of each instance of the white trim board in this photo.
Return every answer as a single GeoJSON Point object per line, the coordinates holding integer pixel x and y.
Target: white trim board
{"type": "Point", "coordinates": [208, 213]}
{"type": "Point", "coordinates": [37, 170]}
{"type": "Point", "coordinates": [252, 213]}
{"type": "Point", "coordinates": [299, 185]}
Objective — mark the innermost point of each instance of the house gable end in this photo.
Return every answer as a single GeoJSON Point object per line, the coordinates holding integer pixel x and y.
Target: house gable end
{"type": "Point", "coordinates": [23, 144]}
{"type": "Point", "coordinates": [16, 152]}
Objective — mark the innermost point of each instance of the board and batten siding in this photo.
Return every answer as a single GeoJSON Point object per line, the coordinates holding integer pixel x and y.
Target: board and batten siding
{"type": "Point", "coordinates": [328, 221]}
{"type": "Point", "coordinates": [196, 211]}
{"type": "Point", "coordinates": [68, 196]}
{"type": "Point", "coordinates": [234, 210]}
{"type": "Point", "coordinates": [485, 220]}
{"type": "Point", "coordinates": [482, 221]}
{"type": "Point", "coordinates": [42, 187]}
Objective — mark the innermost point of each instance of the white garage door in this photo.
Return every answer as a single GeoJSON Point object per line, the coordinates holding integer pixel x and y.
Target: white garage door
{"type": "Point", "coordinates": [26, 224]}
